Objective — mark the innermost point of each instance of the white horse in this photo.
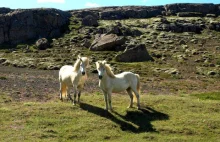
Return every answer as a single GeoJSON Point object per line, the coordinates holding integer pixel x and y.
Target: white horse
{"type": "Point", "coordinates": [73, 76]}
{"type": "Point", "coordinates": [109, 83]}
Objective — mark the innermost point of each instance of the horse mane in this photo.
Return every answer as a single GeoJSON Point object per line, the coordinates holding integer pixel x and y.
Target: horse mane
{"type": "Point", "coordinates": [109, 71]}
{"type": "Point", "coordinates": [76, 65]}
{"type": "Point", "coordinates": [85, 60]}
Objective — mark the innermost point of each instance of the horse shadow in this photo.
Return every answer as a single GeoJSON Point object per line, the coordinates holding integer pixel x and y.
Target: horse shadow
{"type": "Point", "coordinates": [134, 121]}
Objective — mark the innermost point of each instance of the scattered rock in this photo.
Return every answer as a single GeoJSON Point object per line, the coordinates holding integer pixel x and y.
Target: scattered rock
{"type": "Point", "coordinates": [211, 73]}
{"type": "Point", "coordinates": [195, 52]}
{"type": "Point", "coordinates": [172, 71]}
{"type": "Point", "coordinates": [182, 42]}
{"type": "Point", "coordinates": [195, 41]}
{"type": "Point", "coordinates": [2, 60]}
{"type": "Point", "coordinates": [217, 48]}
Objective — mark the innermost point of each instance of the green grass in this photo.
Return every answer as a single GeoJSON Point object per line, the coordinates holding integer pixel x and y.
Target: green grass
{"type": "Point", "coordinates": [208, 96]}
{"type": "Point", "coordinates": [162, 118]}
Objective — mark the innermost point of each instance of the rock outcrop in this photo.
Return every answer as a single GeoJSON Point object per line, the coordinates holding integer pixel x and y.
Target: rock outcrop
{"type": "Point", "coordinates": [180, 26]}
{"type": "Point", "coordinates": [90, 20]}
{"type": "Point", "coordinates": [126, 12]}
{"type": "Point", "coordinates": [134, 53]}
{"type": "Point", "coordinates": [27, 24]}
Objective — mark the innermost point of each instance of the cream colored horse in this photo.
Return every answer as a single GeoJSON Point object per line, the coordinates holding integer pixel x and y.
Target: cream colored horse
{"type": "Point", "coordinates": [73, 76]}
{"type": "Point", "coordinates": [109, 83]}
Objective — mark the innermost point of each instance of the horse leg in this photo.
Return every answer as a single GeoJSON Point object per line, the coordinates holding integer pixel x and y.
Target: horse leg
{"type": "Point", "coordinates": [106, 101]}
{"type": "Point", "coordinates": [131, 97]}
{"type": "Point", "coordinates": [75, 92]}
{"type": "Point", "coordinates": [69, 95]}
{"type": "Point", "coordinates": [61, 97]}
{"type": "Point", "coordinates": [137, 96]}
{"type": "Point", "coordinates": [110, 100]}
{"type": "Point", "coordinates": [79, 94]}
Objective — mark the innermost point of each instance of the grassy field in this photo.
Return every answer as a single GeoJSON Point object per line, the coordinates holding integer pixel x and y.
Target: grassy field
{"type": "Point", "coordinates": [162, 118]}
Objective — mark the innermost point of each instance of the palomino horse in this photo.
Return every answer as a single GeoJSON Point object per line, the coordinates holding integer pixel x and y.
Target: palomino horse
{"type": "Point", "coordinates": [109, 83]}
{"type": "Point", "coordinates": [73, 76]}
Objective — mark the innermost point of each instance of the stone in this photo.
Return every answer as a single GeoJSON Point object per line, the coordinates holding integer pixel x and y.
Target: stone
{"type": "Point", "coordinates": [42, 44]}
{"type": "Point", "coordinates": [182, 42]}
{"type": "Point", "coordinates": [172, 71]}
{"type": "Point", "coordinates": [2, 60]}
{"type": "Point", "coordinates": [106, 42]}
{"type": "Point", "coordinates": [134, 53]}
{"type": "Point", "coordinates": [211, 73]}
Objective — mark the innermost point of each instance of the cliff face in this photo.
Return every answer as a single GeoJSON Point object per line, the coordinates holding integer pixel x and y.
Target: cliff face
{"type": "Point", "coordinates": [22, 25]}
{"type": "Point", "coordinates": [114, 13]}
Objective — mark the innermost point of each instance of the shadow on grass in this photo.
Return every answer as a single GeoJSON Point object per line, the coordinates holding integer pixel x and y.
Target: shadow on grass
{"type": "Point", "coordinates": [136, 121]}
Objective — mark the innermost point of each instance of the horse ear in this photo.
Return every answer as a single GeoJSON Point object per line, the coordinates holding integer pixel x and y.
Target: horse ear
{"type": "Point", "coordinates": [97, 63]}
{"type": "Point", "coordinates": [79, 56]}
{"type": "Point", "coordinates": [104, 62]}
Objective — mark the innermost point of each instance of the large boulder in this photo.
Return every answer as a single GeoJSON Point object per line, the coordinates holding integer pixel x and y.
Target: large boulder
{"type": "Point", "coordinates": [20, 25]}
{"type": "Point", "coordinates": [90, 20]}
{"type": "Point", "coordinates": [42, 44]}
{"type": "Point", "coordinates": [107, 42]}
{"type": "Point", "coordinates": [134, 53]}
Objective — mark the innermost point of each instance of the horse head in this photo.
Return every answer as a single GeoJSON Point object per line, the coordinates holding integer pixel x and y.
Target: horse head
{"type": "Point", "coordinates": [100, 65]}
{"type": "Point", "coordinates": [82, 65]}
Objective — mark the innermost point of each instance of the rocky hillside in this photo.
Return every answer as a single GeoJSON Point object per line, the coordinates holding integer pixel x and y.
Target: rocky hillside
{"type": "Point", "coordinates": [21, 25]}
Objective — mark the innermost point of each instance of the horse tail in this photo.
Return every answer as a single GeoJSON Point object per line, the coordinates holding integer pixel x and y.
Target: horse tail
{"type": "Point", "coordinates": [138, 88]}
{"type": "Point", "coordinates": [64, 90]}
{"type": "Point", "coordinates": [138, 83]}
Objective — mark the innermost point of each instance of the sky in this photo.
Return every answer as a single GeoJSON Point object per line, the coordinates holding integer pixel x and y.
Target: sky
{"type": "Point", "coordinates": [80, 4]}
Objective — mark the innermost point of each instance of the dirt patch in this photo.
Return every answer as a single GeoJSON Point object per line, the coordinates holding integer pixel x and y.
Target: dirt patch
{"type": "Point", "coordinates": [42, 85]}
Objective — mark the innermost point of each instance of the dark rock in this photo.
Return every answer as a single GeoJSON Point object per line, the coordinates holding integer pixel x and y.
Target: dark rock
{"type": "Point", "coordinates": [90, 21]}
{"type": "Point", "coordinates": [134, 53]}
{"type": "Point", "coordinates": [214, 25]}
{"type": "Point", "coordinates": [189, 14]}
{"type": "Point", "coordinates": [182, 42]}
{"type": "Point", "coordinates": [42, 44]}
{"type": "Point", "coordinates": [211, 73]}
{"type": "Point", "coordinates": [20, 25]}
{"type": "Point", "coordinates": [2, 60]}
{"type": "Point", "coordinates": [106, 42]}
{"type": "Point", "coordinates": [4, 10]}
